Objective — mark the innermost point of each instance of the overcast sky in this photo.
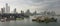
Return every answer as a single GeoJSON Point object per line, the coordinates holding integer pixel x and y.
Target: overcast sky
{"type": "Point", "coordinates": [38, 5]}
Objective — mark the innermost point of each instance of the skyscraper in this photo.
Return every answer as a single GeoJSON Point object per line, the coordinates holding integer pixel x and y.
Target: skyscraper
{"type": "Point", "coordinates": [7, 8]}
{"type": "Point", "coordinates": [22, 12]}
{"type": "Point", "coordinates": [15, 10]}
{"type": "Point", "coordinates": [35, 12]}
{"type": "Point", "coordinates": [3, 10]}
{"type": "Point", "coordinates": [28, 12]}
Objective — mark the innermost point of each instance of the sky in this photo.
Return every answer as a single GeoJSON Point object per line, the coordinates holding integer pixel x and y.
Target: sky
{"type": "Point", "coordinates": [38, 5]}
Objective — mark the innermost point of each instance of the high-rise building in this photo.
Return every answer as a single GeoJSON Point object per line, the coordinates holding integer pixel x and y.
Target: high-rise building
{"type": "Point", "coordinates": [22, 12]}
{"type": "Point", "coordinates": [35, 12]}
{"type": "Point", "coordinates": [15, 10]}
{"type": "Point", "coordinates": [7, 8]}
{"type": "Point", "coordinates": [28, 12]}
{"type": "Point", "coordinates": [3, 10]}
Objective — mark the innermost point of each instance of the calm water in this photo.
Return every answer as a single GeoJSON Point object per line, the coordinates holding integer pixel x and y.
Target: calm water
{"type": "Point", "coordinates": [28, 22]}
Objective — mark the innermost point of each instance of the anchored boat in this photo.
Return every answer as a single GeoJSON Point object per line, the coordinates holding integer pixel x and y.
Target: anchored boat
{"type": "Point", "coordinates": [44, 19]}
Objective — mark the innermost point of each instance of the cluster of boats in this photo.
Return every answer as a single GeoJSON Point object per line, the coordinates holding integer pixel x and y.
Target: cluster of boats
{"type": "Point", "coordinates": [9, 19]}
{"type": "Point", "coordinates": [44, 19]}
{"type": "Point", "coordinates": [3, 20]}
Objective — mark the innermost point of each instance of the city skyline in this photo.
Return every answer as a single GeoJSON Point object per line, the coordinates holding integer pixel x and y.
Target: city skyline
{"type": "Point", "coordinates": [8, 8]}
{"type": "Point", "coordinates": [33, 5]}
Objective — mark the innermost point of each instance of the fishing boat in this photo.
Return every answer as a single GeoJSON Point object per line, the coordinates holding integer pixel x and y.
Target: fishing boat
{"type": "Point", "coordinates": [44, 19]}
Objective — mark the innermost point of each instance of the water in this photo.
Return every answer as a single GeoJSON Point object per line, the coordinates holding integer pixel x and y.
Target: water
{"type": "Point", "coordinates": [28, 22]}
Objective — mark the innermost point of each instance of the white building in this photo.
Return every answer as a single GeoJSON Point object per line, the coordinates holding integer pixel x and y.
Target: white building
{"type": "Point", "coordinates": [7, 10]}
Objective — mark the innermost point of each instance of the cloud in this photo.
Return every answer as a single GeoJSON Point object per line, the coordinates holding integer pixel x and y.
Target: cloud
{"type": "Point", "coordinates": [47, 4]}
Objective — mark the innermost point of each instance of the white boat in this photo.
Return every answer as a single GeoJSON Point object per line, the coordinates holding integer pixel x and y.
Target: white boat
{"type": "Point", "coordinates": [2, 20]}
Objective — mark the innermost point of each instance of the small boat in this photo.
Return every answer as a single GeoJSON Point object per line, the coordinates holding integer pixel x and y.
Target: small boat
{"type": "Point", "coordinates": [34, 19]}
{"type": "Point", "coordinates": [2, 20]}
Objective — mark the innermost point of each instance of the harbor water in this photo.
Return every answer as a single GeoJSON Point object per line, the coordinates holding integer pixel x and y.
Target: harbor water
{"type": "Point", "coordinates": [28, 22]}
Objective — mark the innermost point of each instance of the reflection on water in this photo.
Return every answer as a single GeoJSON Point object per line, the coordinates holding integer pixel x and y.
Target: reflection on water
{"type": "Point", "coordinates": [28, 22]}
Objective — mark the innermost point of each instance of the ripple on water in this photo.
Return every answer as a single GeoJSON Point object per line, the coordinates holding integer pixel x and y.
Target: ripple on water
{"type": "Point", "coordinates": [28, 22]}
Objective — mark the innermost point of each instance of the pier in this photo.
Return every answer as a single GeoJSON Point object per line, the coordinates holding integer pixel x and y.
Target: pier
{"type": "Point", "coordinates": [10, 15]}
